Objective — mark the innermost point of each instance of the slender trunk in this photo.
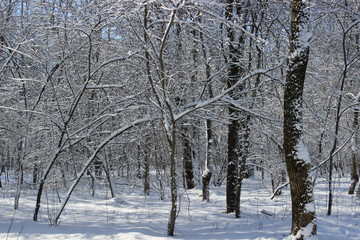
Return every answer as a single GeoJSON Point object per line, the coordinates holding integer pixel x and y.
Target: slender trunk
{"type": "Point", "coordinates": [354, 148]}
{"type": "Point", "coordinates": [337, 122]}
{"type": "Point", "coordinates": [168, 120]}
{"type": "Point", "coordinates": [63, 176]}
{"type": "Point", "coordinates": [18, 189]}
{"type": "Point", "coordinates": [139, 162]}
{"type": "Point", "coordinates": [159, 175]}
{"type": "Point", "coordinates": [42, 183]}
{"type": "Point", "coordinates": [173, 184]}
{"type": "Point", "coordinates": [206, 176]}
{"type": "Point", "coordinates": [89, 161]}
{"type": "Point", "coordinates": [35, 173]}
{"type": "Point", "coordinates": [107, 169]}
{"type": "Point", "coordinates": [92, 176]}
{"type": "Point", "coordinates": [146, 174]}
{"type": "Point", "coordinates": [60, 145]}
{"type": "Point", "coordinates": [187, 161]}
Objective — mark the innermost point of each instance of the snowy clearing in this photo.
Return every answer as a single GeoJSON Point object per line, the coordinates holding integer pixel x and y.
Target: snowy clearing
{"type": "Point", "coordinates": [132, 216]}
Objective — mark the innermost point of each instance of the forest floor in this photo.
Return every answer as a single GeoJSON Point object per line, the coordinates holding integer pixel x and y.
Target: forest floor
{"type": "Point", "coordinates": [131, 215]}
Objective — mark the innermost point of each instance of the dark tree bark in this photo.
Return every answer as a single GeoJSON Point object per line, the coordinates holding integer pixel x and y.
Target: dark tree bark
{"type": "Point", "coordinates": [296, 155]}
{"type": "Point", "coordinates": [354, 148]}
{"type": "Point", "coordinates": [146, 173]}
{"type": "Point", "coordinates": [206, 176]}
{"type": "Point", "coordinates": [35, 173]}
{"type": "Point", "coordinates": [237, 128]}
{"type": "Point", "coordinates": [187, 160]}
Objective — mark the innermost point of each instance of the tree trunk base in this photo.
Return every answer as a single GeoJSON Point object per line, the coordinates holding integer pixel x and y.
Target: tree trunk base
{"type": "Point", "coordinates": [352, 187]}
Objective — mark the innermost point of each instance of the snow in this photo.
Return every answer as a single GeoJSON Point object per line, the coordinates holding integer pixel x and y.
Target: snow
{"type": "Point", "coordinates": [302, 152]}
{"type": "Point", "coordinates": [305, 232]}
{"type": "Point", "coordinates": [133, 216]}
{"type": "Point", "coordinates": [310, 207]}
{"type": "Point", "coordinates": [353, 144]}
{"type": "Point", "coordinates": [206, 172]}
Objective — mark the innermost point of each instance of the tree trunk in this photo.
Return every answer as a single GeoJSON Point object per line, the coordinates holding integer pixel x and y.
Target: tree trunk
{"type": "Point", "coordinates": [232, 168]}
{"type": "Point", "coordinates": [107, 168]}
{"type": "Point", "coordinates": [235, 129]}
{"type": "Point", "coordinates": [35, 173]}
{"type": "Point", "coordinates": [42, 183]}
{"type": "Point", "coordinates": [244, 146]}
{"type": "Point", "coordinates": [146, 174]}
{"type": "Point", "coordinates": [18, 189]}
{"type": "Point", "coordinates": [173, 184]}
{"type": "Point", "coordinates": [354, 148]}
{"type": "Point", "coordinates": [187, 161]}
{"type": "Point", "coordinates": [296, 155]}
{"type": "Point", "coordinates": [206, 176]}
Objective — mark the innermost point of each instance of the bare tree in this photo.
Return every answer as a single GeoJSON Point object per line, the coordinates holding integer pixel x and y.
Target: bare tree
{"type": "Point", "coordinates": [238, 128]}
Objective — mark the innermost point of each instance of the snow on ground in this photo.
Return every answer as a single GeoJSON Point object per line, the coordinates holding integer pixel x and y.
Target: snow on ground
{"type": "Point", "coordinates": [132, 216]}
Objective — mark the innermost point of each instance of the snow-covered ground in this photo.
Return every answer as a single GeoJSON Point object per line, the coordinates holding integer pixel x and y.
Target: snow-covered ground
{"type": "Point", "coordinates": [132, 216]}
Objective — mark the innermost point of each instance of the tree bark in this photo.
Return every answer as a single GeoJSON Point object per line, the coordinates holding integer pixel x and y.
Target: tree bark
{"type": "Point", "coordinates": [236, 128]}
{"type": "Point", "coordinates": [173, 184]}
{"type": "Point", "coordinates": [296, 155]}
{"type": "Point", "coordinates": [354, 149]}
{"type": "Point", "coordinates": [187, 160]}
{"type": "Point", "coordinates": [146, 174]}
{"type": "Point", "coordinates": [207, 174]}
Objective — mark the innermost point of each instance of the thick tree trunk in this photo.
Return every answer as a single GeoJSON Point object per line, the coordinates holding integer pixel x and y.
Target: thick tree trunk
{"type": "Point", "coordinates": [296, 155]}
{"type": "Point", "coordinates": [233, 159]}
{"type": "Point", "coordinates": [236, 130]}
{"type": "Point", "coordinates": [244, 146]}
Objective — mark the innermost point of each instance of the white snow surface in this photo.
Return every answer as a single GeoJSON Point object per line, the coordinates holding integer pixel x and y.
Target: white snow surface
{"type": "Point", "coordinates": [133, 216]}
{"type": "Point", "coordinates": [302, 152]}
